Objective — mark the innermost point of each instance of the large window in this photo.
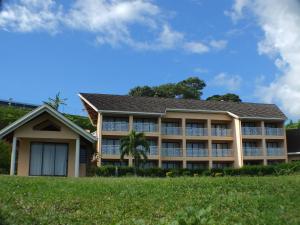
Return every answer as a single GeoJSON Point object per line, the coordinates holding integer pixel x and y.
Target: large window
{"type": "Point", "coordinates": [145, 125]}
{"type": "Point", "coordinates": [48, 159]}
{"type": "Point", "coordinates": [111, 146]}
{"type": "Point", "coordinates": [171, 128]}
{"type": "Point", "coordinates": [115, 124]}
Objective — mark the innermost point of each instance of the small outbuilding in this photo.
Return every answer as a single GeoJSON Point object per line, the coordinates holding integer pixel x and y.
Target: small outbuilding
{"type": "Point", "coordinates": [45, 143]}
{"type": "Point", "coordinates": [293, 144]}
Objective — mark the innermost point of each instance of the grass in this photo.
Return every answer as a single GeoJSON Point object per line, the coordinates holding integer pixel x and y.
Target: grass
{"type": "Point", "coordinates": [224, 200]}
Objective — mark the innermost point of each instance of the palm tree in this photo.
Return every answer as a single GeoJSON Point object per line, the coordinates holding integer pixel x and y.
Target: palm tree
{"type": "Point", "coordinates": [56, 102]}
{"type": "Point", "coordinates": [135, 145]}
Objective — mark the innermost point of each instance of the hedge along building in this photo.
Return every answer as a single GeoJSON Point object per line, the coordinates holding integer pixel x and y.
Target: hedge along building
{"type": "Point", "coordinates": [46, 143]}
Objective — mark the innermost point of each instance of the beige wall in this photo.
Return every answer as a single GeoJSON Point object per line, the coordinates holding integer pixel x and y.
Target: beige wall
{"type": "Point", "coordinates": [26, 135]}
{"type": "Point", "coordinates": [235, 140]}
{"type": "Point", "coordinates": [24, 155]}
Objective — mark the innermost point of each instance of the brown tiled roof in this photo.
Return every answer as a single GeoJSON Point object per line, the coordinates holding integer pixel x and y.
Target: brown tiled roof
{"type": "Point", "coordinates": [124, 103]}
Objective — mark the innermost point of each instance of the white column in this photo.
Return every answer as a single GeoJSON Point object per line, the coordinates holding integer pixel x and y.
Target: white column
{"type": "Point", "coordinates": [13, 156]}
{"type": "Point", "coordinates": [77, 156]}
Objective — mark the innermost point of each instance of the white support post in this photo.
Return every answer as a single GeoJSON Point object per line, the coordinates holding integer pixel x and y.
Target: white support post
{"type": "Point", "coordinates": [77, 156]}
{"type": "Point", "coordinates": [13, 156]}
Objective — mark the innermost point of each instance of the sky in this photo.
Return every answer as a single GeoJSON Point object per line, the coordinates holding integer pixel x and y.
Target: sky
{"type": "Point", "coordinates": [247, 47]}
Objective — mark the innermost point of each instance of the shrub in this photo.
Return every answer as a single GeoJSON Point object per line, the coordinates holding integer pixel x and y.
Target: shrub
{"type": "Point", "coordinates": [4, 157]}
{"type": "Point", "coordinates": [170, 174]}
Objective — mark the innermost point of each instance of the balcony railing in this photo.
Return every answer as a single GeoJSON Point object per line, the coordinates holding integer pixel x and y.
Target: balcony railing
{"type": "Point", "coordinates": [171, 152]}
{"type": "Point", "coordinates": [115, 126]}
{"type": "Point", "coordinates": [196, 152]}
{"type": "Point", "coordinates": [141, 127]}
{"type": "Point", "coordinates": [275, 151]}
{"type": "Point", "coordinates": [153, 150]}
{"type": "Point", "coordinates": [221, 132]}
{"type": "Point", "coordinates": [111, 149]}
{"type": "Point", "coordinates": [191, 131]}
{"type": "Point", "coordinates": [248, 151]}
{"type": "Point", "coordinates": [274, 131]}
{"type": "Point", "coordinates": [171, 130]}
{"type": "Point", "coordinates": [222, 153]}
{"type": "Point", "coordinates": [251, 130]}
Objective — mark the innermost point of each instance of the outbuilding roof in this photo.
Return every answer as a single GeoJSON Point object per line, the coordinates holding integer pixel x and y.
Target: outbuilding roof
{"type": "Point", "coordinates": [40, 110]}
{"type": "Point", "coordinates": [156, 105]}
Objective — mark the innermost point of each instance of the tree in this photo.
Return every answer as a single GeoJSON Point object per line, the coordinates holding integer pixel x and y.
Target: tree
{"type": "Point", "coordinates": [190, 88]}
{"type": "Point", "coordinates": [135, 145]}
{"type": "Point", "coordinates": [227, 98]}
{"type": "Point", "coordinates": [56, 102]}
{"type": "Point", "coordinates": [142, 91]}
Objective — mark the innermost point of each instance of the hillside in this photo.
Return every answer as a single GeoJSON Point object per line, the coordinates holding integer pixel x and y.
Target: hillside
{"type": "Point", "coordinates": [10, 114]}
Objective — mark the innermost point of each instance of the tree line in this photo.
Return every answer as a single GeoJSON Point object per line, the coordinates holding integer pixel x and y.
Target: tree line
{"type": "Point", "coordinates": [190, 88]}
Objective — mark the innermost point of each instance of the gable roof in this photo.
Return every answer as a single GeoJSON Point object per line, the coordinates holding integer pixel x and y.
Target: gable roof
{"type": "Point", "coordinates": [42, 109]}
{"type": "Point", "coordinates": [159, 106]}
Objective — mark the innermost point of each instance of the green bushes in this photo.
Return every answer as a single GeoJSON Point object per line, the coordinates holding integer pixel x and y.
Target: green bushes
{"type": "Point", "coordinates": [4, 157]}
{"type": "Point", "coordinates": [279, 169]}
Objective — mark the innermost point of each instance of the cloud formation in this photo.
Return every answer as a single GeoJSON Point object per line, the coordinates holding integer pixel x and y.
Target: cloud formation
{"type": "Point", "coordinates": [230, 82]}
{"type": "Point", "coordinates": [113, 22]}
{"type": "Point", "coordinates": [279, 20]}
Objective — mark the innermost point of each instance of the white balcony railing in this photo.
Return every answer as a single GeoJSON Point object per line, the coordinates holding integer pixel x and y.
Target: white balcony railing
{"type": "Point", "coordinates": [221, 132]}
{"type": "Point", "coordinates": [171, 130]}
{"type": "Point", "coordinates": [142, 127]}
{"type": "Point", "coordinates": [275, 151]}
{"type": "Point", "coordinates": [171, 152]}
{"type": "Point", "coordinates": [110, 149]}
{"type": "Point", "coordinates": [196, 152]}
{"type": "Point", "coordinates": [251, 131]}
{"type": "Point", "coordinates": [248, 151]}
{"type": "Point", "coordinates": [191, 131]}
{"type": "Point", "coordinates": [115, 126]}
{"type": "Point", "coordinates": [222, 153]}
{"type": "Point", "coordinates": [274, 131]}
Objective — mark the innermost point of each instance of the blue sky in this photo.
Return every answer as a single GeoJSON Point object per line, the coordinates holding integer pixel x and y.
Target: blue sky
{"type": "Point", "coordinates": [105, 46]}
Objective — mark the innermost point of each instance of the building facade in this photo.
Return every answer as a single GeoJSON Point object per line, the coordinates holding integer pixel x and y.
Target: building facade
{"type": "Point", "coordinates": [189, 133]}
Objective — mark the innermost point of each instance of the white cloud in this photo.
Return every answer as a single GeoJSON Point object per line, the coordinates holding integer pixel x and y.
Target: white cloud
{"type": "Point", "coordinates": [280, 21]}
{"type": "Point", "coordinates": [196, 47]}
{"type": "Point", "coordinates": [218, 44]}
{"type": "Point", "coordinates": [237, 9]}
{"type": "Point", "coordinates": [31, 15]}
{"type": "Point", "coordinates": [230, 82]}
{"type": "Point", "coordinates": [113, 22]}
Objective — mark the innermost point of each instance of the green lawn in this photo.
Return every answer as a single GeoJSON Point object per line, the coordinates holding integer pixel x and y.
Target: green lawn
{"type": "Point", "coordinates": [228, 200]}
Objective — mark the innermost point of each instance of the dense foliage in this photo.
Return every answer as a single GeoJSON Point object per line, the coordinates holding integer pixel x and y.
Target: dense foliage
{"type": "Point", "coordinates": [293, 125]}
{"type": "Point", "coordinates": [227, 98]}
{"type": "Point", "coordinates": [149, 201]}
{"type": "Point", "coordinates": [4, 157]}
{"type": "Point", "coordinates": [279, 169]}
{"type": "Point", "coordinates": [190, 88]}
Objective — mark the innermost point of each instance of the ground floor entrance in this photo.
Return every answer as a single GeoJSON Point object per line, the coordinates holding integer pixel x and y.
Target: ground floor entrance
{"type": "Point", "coordinates": [48, 159]}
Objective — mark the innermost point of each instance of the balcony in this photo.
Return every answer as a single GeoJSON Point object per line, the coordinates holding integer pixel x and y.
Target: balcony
{"type": "Point", "coordinates": [171, 152]}
{"type": "Point", "coordinates": [110, 149]}
{"type": "Point", "coordinates": [191, 131]}
{"type": "Point", "coordinates": [153, 150]}
{"type": "Point", "coordinates": [251, 131]}
{"type": "Point", "coordinates": [196, 152]}
{"type": "Point", "coordinates": [275, 151]}
{"type": "Point", "coordinates": [222, 153]}
{"type": "Point", "coordinates": [252, 151]}
{"type": "Point", "coordinates": [274, 131]}
{"type": "Point", "coordinates": [146, 128]}
{"type": "Point", "coordinates": [171, 130]}
{"type": "Point", "coordinates": [221, 132]}
{"type": "Point", "coordinates": [115, 126]}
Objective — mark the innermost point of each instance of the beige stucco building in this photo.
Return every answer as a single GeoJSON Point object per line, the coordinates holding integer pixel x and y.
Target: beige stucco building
{"type": "Point", "coordinates": [189, 133]}
{"type": "Point", "coordinates": [46, 143]}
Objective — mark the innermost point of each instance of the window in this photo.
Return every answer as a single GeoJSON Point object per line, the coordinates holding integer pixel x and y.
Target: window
{"type": "Point", "coordinates": [171, 165]}
{"type": "Point", "coordinates": [47, 125]}
{"type": "Point", "coordinates": [83, 156]}
{"type": "Point", "coordinates": [145, 125]}
{"type": "Point", "coordinates": [249, 144]}
{"type": "Point", "coordinates": [115, 124]}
